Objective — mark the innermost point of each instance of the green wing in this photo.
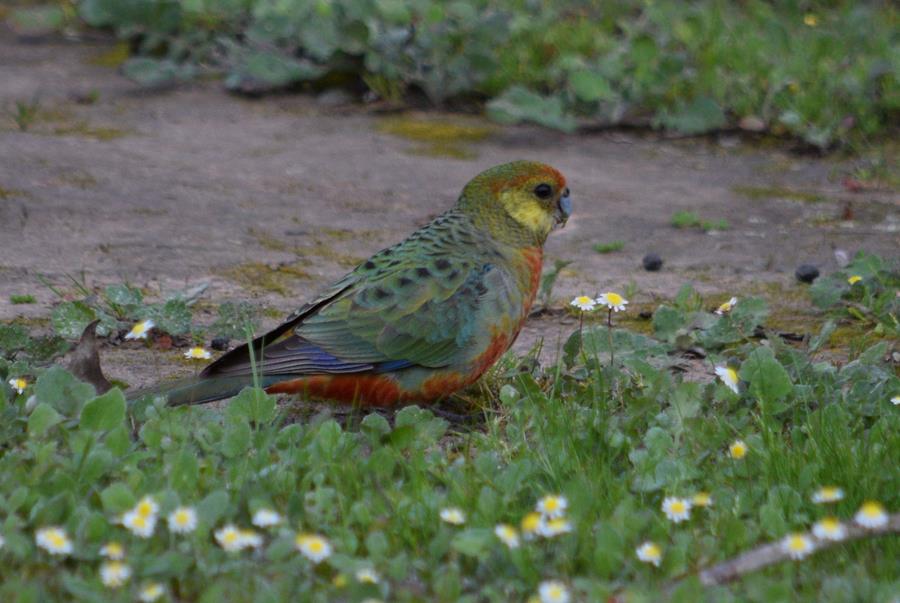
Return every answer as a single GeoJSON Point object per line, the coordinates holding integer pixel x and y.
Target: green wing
{"type": "Point", "coordinates": [424, 312]}
{"type": "Point", "coordinates": [421, 302]}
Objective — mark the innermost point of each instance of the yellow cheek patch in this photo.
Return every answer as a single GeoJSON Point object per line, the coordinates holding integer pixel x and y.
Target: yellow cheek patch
{"type": "Point", "coordinates": [527, 211]}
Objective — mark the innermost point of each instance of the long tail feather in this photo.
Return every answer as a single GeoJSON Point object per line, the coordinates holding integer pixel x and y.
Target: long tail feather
{"type": "Point", "coordinates": [198, 390]}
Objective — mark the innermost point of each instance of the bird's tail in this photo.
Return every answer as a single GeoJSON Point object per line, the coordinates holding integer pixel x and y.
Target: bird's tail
{"type": "Point", "coordinates": [197, 390]}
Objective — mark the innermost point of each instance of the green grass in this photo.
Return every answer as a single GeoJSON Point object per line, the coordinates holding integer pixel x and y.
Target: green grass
{"type": "Point", "coordinates": [688, 219]}
{"type": "Point", "coordinates": [22, 299]}
{"type": "Point", "coordinates": [610, 247]}
{"type": "Point", "coordinates": [613, 438]}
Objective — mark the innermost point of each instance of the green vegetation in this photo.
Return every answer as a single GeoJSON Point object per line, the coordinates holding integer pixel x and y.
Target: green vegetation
{"type": "Point", "coordinates": [864, 292]}
{"type": "Point", "coordinates": [824, 72]}
{"type": "Point", "coordinates": [688, 219]}
{"type": "Point", "coordinates": [24, 113]}
{"type": "Point", "coordinates": [613, 438]}
{"type": "Point", "coordinates": [610, 247]}
{"type": "Point", "coordinates": [22, 299]}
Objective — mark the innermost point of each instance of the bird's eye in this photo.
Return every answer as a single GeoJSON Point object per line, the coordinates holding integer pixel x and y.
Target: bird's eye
{"type": "Point", "coordinates": [543, 191]}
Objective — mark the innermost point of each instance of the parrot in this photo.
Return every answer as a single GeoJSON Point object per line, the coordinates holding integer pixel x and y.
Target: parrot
{"type": "Point", "coordinates": [417, 321]}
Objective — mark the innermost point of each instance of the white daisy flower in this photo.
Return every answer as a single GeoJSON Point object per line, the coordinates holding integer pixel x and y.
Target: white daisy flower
{"type": "Point", "coordinates": [507, 535]}
{"type": "Point", "coordinates": [676, 509]}
{"type": "Point", "coordinates": [584, 303]}
{"type": "Point", "coordinates": [151, 591]}
{"type": "Point", "coordinates": [649, 552]}
{"type": "Point", "coordinates": [54, 540]}
{"type": "Point", "coordinates": [18, 383]}
{"type": "Point", "coordinates": [871, 515]}
{"type": "Point", "coordinates": [738, 450]}
{"type": "Point", "coordinates": [229, 538]}
{"type": "Point", "coordinates": [198, 353]}
{"type": "Point", "coordinates": [827, 494]}
{"type": "Point", "coordinates": [139, 525]}
{"type": "Point", "coordinates": [453, 515]}
{"type": "Point", "coordinates": [140, 330]}
{"type": "Point", "coordinates": [797, 545]}
{"type": "Point", "coordinates": [265, 518]}
{"type": "Point", "coordinates": [552, 506]}
{"type": "Point", "coordinates": [182, 520]}
{"type": "Point", "coordinates": [113, 550]}
{"type": "Point", "coordinates": [829, 528]}
{"type": "Point", "coordinates": [729, 377]}
{"type": "Point", "coordinates": [114, 574]}
{"type": "Point", "coordinates": [895, 400]}
{"type": "Point", "coordinates": [553, 591]}
{"type": "Point", "coordinates": [727, 306]}
{"type": "Point", "coordinates": [613, 301]}
{"type": "Point", "coordinates": [554, 527]}
{"type": "Point", "coordinates": [314, 547]}
{"type": "Point", "coordinates": [367, 575]}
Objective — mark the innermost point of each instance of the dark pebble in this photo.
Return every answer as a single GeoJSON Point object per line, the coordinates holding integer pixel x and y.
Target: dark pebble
{"type": "Point", "coordinates": [807, 273]}
{"type": "Point", "coordinates": [219, 343]}
{"type": "Point", "coordinates": [652, 262]}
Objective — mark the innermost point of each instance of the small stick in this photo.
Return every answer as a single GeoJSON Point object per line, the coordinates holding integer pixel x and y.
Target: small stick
{"type": "Point", "coordinates": [773, 552]}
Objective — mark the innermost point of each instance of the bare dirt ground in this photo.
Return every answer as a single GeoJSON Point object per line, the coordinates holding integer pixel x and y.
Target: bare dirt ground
{"type": "Point", "coordinates": [269, 200]}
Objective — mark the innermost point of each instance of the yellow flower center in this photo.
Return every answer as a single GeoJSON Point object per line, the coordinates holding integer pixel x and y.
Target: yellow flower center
{"type": "Point", "coordinates": [614, 299]}
{"type": "Point", "coordinates": [678, 506]}
{"type": "Point", "coordinates": [872, 510]}
{"type": "Point", "coordinates": [19, 383]}
{"type": "Point", "coordinates": [854, 279]}
{"type": "Point", "coordinates": [230, 537]}
{"type": "Point", "coordinates": [555, 592]}
{"type": "Point", "coordinates": [153, 591]}
{"type": "Point", "coordinates": [182, 517]}
{"type": "Point", "coordinates": [339, 581]}
{"type": "Point", "coordinates": [145, 508]}
{"type": "Point", "coordinates": [582, 300]}
{"type": "Point", "coordinates": [830, 524]}
{"type": "Point", "coordinates": [114, 549]}
{"type": "Point", "coordinates": [531, 522]}
{"type": "Point", "coordinates": [702, 499]}
{"type": "Point", "coordinates": [738, 450]}
{"type": "Point", "coordinates": [315, 545]}
{"type": "Point", "coordinates": [810, 20]}
{"type": "Point", "coordinates": [56, 539]}
{"type": "Point", "coordinates": [651, 551]}
{"type": "Point", "coordinates": [797, 542]}
{"type": "Point", "coordinates": [140, 521]}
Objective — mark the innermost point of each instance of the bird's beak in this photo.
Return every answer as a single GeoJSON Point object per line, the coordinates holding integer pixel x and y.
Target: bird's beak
{"type": "Point", "coordinates": [564, 208]}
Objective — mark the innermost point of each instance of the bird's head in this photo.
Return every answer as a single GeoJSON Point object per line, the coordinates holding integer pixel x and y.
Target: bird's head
{"type": "Point", "coordinates": [522, 199]}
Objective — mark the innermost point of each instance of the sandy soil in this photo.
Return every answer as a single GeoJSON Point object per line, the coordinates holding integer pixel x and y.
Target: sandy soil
{"type": "Point", "coordinates": [269, 200]}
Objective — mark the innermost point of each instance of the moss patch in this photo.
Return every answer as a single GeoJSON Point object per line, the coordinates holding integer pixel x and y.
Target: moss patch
{"type": "Point", "coordinates": [438, 137]}
{"type": "Point", "coordinates": [6, 193]}
{"type": "Point", "coordinates": [326, 252]}
{"type": "Point", "coordinates": [318, 247]}
{"type": "Point", "coordinates": [778, 192]}
{"type": "Point", "coordinates": [85, 130]}
{"type": "Point", "coordinates": [112, 58]}
{"type": "Point", "coordinates": [256, 276]}
{"type": "Point", "coordinates": [267, 240]}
